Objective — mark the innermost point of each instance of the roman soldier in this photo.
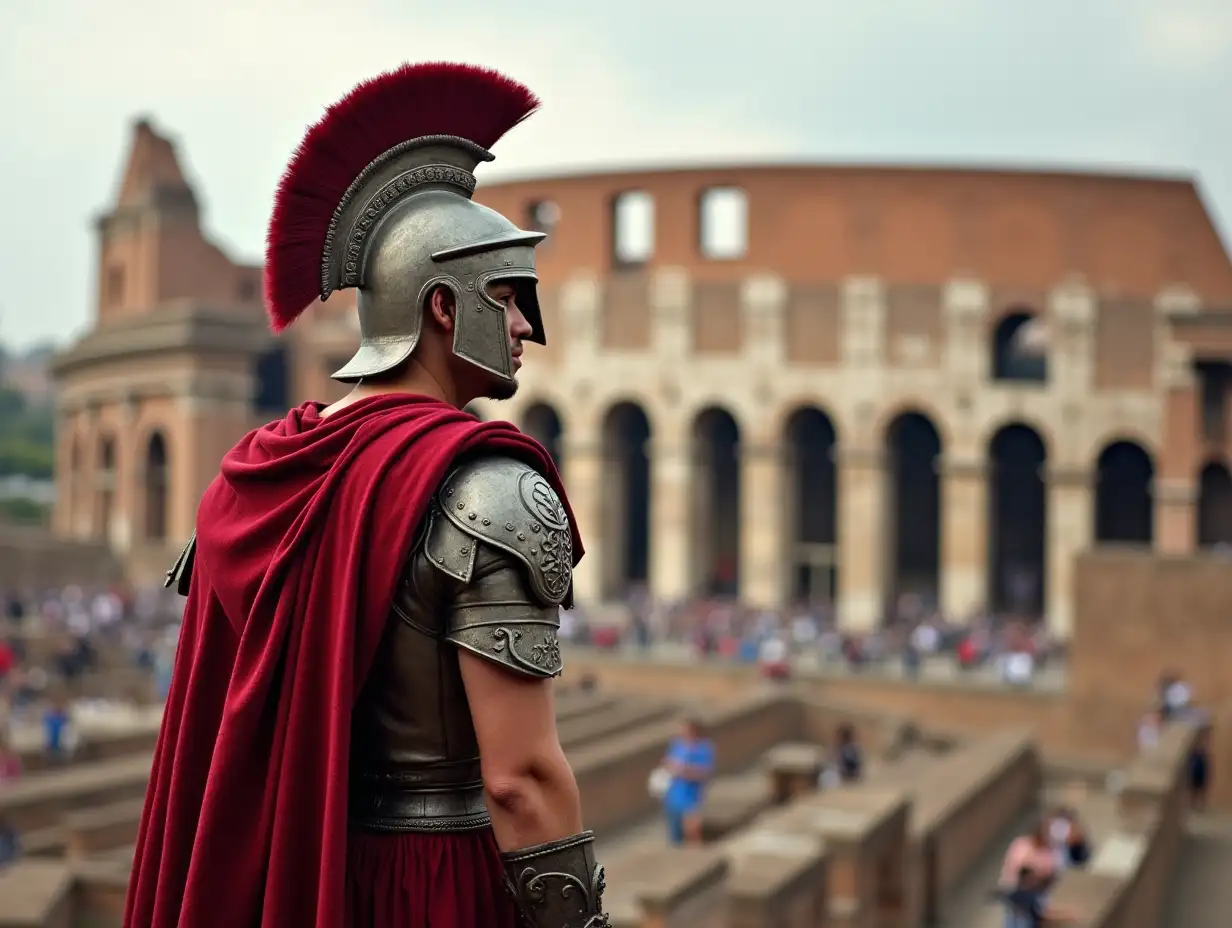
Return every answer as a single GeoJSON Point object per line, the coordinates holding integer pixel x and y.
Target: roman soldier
{"type": "Point", "coordinates": [360, 728]}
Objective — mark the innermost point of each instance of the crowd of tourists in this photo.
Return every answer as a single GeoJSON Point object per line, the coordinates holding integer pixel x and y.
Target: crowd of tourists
{"type": "Point", "coordinates": [50, 642]}
{"type": "Point", "coordinates": [1018, 649]}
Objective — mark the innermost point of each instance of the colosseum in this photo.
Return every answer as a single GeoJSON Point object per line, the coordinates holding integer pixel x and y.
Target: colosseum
{"type": "Point", "coordinates": [834, 384]}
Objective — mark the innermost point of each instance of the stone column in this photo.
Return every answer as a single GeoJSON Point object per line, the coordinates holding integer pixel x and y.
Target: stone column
{"type": "Point", "coordinates": [130, 476]}
{"type": "Point", "coordinates": [190, 461]}
{"type": "Point", "coordinates": [583, 458]}
{"type": "Point", "coordinates": [1176, 515]}
{"type": "Point", "coordinates": [966, 303]}
{"type": "Point", "coordinates": [1176, 490]}
{"type": "Point", "coordinates": [964, 534]}
{"type": "Point", "coordinates": [762, 555]}
{"type": "Point", "coordinates": [861, 536]}
{"type": "Point", "coordinates": [670, 532]}
{"type": "Point", "coordinates": [1071, 506]}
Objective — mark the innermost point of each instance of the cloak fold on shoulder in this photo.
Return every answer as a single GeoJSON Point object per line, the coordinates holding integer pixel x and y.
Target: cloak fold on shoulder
{"type": "Point", "coordinates": [300, 541]}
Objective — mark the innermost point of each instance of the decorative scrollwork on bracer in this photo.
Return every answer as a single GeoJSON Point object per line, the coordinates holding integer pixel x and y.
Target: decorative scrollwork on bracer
{"type": "Point", "coordinates": [535, 890]}
{"type": "Point", "coordinates": [543, 657]}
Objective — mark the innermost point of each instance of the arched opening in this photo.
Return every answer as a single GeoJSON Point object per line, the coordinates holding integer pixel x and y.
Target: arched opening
{"type": "Point", "coordinates": [542, 423]}
{"type": "Point", "coordinates": [811, 508]}
{"type": "Point", "coordinates": [1215, 506]}
{"type": "Point", "coordinates": [716, 503]}
{"type": "Point", "coordinates": [1017, 522]}
{"type": "Point", "coordinates": [1124, 512]}
{"type": "Point", "coordinates": [105, 477]}
{"type": "Point", "coordinates": [913, 448]}
{"type": "Point", "coordinates": [1019, 348]}
{"type": "Point", "coordinates": [157, 484]}
{"type": "Point", "coordinates": [626, 500]}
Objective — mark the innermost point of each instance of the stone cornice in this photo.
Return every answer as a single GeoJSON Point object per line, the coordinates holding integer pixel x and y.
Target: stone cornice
{"type": "Point", "coordinates": [184, 327]}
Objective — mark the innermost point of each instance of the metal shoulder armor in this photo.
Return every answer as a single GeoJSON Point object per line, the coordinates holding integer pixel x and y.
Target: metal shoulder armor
{"type": "Point", "coordinates": [501, 532]}
{"type": "Point", "coordinates": [511, 506]}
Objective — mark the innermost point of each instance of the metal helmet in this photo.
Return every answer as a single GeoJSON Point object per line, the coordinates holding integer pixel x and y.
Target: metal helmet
{"type": "Point", "coordinates": [400, 220]}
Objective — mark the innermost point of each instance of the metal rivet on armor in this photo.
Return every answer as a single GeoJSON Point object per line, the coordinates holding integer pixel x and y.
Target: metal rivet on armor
{"type": "Point", "coordinates": [470, 286]}
{"type": "Point", "coordinates": [449, 492]}
{"type": "Point", "coordinates": [465, 550]}
{"type": "Point", "coordinates": [521, 536]}
{"type": "Point", "coordinates": [509, 526]}
{"type": "Point", "coordinates": [461, 505]}
{"type": "Point", "coordinates": [472, 516]}
{"type": "Point", "coordinates": [440, 559]}
{"type": "Point", "coordinates": [487, 521]}
{"type": "Point", "coordinates": [534, 550]}
{"type": "Point", "coordinates": [534, 527]}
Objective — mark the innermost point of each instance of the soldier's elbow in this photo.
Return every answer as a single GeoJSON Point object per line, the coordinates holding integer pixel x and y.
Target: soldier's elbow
{"type": "Point", "coordinates": [533, 802]}
{"type": "Point", "coordinates": [517, 786]}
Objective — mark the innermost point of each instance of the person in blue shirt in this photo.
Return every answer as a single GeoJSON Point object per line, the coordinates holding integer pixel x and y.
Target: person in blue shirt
{"type": "Point", "coordinates": [690, 761]}
{"type": "Point", "coordinates": [55, 724]}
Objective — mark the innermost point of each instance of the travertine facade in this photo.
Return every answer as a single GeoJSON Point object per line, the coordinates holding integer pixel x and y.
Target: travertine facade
{"type": "Point", "coordinates": [867, 382]}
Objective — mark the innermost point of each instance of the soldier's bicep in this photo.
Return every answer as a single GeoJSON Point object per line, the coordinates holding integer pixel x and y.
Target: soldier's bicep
{"type": "Point", "coordinates": [514, 717]}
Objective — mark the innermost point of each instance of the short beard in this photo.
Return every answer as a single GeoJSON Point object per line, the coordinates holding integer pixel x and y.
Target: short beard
{"type": "Point", "coordinates": [501, 390]}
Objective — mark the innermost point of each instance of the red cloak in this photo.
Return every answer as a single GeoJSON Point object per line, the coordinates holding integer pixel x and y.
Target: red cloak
{"type": "Point", "coordinates": [300, 540]}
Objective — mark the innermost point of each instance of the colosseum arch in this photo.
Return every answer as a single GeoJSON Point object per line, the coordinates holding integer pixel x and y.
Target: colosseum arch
{"type": "Point", "coordinates": [625, 528]}
{"type": "Point", "coordinates": [1215, 505]}
{"type": "Point", "coordinates": [913, 512]}
{"type": "Point", "coordinates": [542, 422]}
{"type": "Point", "coordinates": [1017, 521]}
{"type": "Point", "coordinates": [810, 520]}
{"type": "Point", "coordinates": [716, 503]}
{"type": "Point", "coordinates": [1019, 350]}
{"type": "Point", "coordinates": [104, 486]}
{"type": "Point", "coordinates": [1124, 509]}
{"type": "Point", "coordinates": [157, 487]}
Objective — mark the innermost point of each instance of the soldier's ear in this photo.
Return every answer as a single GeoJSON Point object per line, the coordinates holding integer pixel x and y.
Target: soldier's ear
{"type": "Point", "coordinates": [442, 307]}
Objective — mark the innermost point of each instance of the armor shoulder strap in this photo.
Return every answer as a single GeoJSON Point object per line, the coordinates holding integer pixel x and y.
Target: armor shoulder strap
{"type": "Point", "coordinates": [512, 507]}
{"type": "Point", "coordinates": [180, 574]}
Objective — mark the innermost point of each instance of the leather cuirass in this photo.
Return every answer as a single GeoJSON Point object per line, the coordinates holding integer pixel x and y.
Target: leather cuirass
{"type": "Point", "coordinates": [483, 576]}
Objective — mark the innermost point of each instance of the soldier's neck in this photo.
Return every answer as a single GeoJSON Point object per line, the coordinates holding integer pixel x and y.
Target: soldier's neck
{"type": "Point", "coordinates": [416, 380]}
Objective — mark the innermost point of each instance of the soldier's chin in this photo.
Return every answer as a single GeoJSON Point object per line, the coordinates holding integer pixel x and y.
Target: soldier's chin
{"type": "Point", "coordinates": [499, 389]}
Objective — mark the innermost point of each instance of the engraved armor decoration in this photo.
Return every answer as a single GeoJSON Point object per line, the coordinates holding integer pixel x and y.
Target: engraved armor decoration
{"type": "Point", "coordinates": [558, 884]}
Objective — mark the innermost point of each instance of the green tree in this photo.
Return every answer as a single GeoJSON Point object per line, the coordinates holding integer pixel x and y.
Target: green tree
{"type": "Point", "coordinates": [26, 436]}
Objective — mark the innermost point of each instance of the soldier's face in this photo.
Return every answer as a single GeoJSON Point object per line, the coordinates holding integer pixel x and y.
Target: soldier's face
{"type": "Point", "coordinates": [516, 328]}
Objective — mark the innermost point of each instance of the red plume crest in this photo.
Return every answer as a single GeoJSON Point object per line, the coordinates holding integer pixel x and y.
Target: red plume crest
{"type": "Point", "coordinates": [473, 103]}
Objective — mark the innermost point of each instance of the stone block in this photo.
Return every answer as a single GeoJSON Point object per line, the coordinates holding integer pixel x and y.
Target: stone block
{"type": "Point", "coordinates": [104, 828]}
{"type": "Point", "coordinates": [665, 887]}
{"type": "Point", "coordinates": [777, 885]}
{"type": "Point", "coordinates": [36, 894]}
{"type": "Point", "coordinates": [732, 803]}
{"type": "Point", "coordinates": [794, 769]}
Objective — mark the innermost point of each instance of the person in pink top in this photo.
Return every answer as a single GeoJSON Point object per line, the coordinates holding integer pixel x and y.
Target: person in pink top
{"type": "Point", "coordinates": [1030, 854]}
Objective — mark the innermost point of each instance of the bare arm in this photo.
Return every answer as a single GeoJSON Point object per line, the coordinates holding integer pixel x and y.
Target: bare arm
{"type": "Point", "coordinates": [532, 794]}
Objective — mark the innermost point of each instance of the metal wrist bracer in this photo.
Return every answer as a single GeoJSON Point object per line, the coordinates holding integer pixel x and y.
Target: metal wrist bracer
{"type": "Point", "coordinates": [557, 884]}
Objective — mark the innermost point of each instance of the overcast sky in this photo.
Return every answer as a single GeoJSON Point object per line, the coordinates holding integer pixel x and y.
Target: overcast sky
{"type": "Point", "coordinates": [1126, 83]}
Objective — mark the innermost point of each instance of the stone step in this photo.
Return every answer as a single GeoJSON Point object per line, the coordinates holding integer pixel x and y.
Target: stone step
{"type": "Point", "coordinates": [620, 718]}
{"type": "Point", "coordinates": [36, 894]}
